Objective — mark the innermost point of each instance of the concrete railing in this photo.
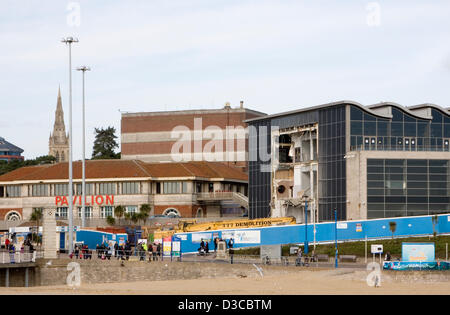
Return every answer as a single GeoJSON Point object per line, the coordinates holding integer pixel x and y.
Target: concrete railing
{"type": "Point", "coordinates": [224, 195]}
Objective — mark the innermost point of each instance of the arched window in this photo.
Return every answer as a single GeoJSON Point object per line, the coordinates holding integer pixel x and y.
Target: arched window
{"type": "Point", "coordinates": [63, 158]}
{"type": "Point", "coordinates": [199, 213]}
{"type": "Point", "coordinates": [172, 212]}
{"type": "Point", "coordinates": [13, 216]}
{"type": "Point", "coordinates": [57, 156]}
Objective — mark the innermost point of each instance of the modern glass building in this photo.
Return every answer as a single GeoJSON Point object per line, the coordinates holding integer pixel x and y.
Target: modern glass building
{"type": "Point", "coordinates": [376, 161]}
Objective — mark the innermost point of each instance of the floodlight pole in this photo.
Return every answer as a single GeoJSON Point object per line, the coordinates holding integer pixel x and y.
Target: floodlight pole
{"type": "Point", "coordinates": [83, 188]}
{"type": "Point", "coordinates": [69, 41]}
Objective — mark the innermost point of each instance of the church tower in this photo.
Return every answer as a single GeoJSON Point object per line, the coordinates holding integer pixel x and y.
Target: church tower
{"type": "Point", "coordinates": [59, 142]}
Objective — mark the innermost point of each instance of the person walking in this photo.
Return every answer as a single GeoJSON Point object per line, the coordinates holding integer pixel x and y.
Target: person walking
{"type": "Point", "coordinates": [158, 250]}
{"type": "Point", "coordinates": [154, 252]}
{"type": "Point", "coordinates": [150, 251]}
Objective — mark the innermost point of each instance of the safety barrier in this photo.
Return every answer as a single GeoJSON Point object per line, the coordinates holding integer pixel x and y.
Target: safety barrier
{"type": "Point", "coordinates": [19, 257]}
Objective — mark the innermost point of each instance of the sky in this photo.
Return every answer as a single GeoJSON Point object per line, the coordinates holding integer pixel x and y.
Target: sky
{"type": "Point", "coordinates": [275, 55]}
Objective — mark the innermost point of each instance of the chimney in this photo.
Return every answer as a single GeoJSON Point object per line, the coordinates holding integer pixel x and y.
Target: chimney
{"type": "Point", "coordinates": [242, 104]}
{"type": "Point", "coordinates": [227, 105]}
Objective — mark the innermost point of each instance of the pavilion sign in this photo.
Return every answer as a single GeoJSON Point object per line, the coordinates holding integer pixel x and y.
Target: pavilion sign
{"type": "Point", "coordinates": [98, 200]}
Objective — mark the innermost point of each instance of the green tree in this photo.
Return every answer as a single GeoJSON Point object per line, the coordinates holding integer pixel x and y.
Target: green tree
{"type": "Point", "coordinates": [36, 216]}
{"type": "Point", "coordinates": [6, 167]}
{"type": "Point", "coordinates": [144, 212]}
{"type": "Point", "coordinates": [105, 143]}
{"type": "Point", "coordinates": [110, 220]}
{"type": "Point", "coordinates": [119, 212]}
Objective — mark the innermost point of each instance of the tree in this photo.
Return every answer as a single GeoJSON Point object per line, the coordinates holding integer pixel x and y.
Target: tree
{"type": "Point", "coordinates": [6, 167]}
{"type": "Point", "coordinates": [105, 143]}
{"type": "Point", "coordinates": [36, 216]}
{"type": "Point", "coordinates": [144, 212]}
{"type": "Point", "coordinates": [119, 212]}
{"type": "Point", "coordinates": [393, 228]}
{"type": "Point", "coordinates": [110, 220]}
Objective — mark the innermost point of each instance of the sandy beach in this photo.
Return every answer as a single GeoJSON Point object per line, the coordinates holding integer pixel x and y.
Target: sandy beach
{"type": "Point", "coordinates": [297, 282]}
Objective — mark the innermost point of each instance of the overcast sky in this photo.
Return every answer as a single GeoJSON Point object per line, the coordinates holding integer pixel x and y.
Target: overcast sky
{"type": "Point", "coordinates": [151, 55]}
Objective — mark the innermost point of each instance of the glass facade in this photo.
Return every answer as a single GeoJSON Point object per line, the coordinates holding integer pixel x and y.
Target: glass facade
{"type": "Point", "coordinates": [399, 187]}
{"type": "Point", "coordinates": [332, 167]}
{"type": "Point", "coordinates": [403, 133]}
{"type": "Point", "coordinates": [259, 169]}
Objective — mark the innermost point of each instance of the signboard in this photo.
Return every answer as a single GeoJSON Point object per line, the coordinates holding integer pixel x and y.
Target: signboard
{"type": "Point", "coordinates": [341, 225]}
{"type": "Point", "coordinates": [293, 250]}
{"type": "Point", "coordinates": [406, 265]}
{"type": "Point", "coordinates": [376, 249]}
{"type": "Point", "coordinates": [89, 200]}
{"type": "Point", "coordinates": [176, 246]}
{"type": "Point", "coordinates": [198, 237]}
{"type": "Point", "coordinates": [226, 235]}
{"type": "Point", "coordinates": [418, 252]}
{"type": "Point", "coordinates": [358, 227]}
{"type": "Point", "coordinates": [247, 237]}
{"type": "Point", "coordinates": [167, 246]}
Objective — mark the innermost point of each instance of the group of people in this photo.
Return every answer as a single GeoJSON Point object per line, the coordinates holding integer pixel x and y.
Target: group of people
{"type": "Point", "coordinates": [26, 247]}
{"type": "Point", "coordinates": [204, 246]}
{"type": "Point", "coordinates": [153, 250]}
{"type": "Point", "coordinates": [81, 252]}
{"type": "Point", "coordinates": [121, 252]}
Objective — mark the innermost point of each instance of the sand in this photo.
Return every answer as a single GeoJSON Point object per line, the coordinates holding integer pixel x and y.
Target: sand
{"type": "Point", "coordinates": [297, 282]}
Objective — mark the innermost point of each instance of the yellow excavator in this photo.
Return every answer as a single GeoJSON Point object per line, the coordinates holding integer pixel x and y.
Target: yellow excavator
{"type": "Point", "coordinates": [193, 226]}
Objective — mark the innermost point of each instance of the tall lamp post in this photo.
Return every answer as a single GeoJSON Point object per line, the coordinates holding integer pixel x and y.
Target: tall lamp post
{"type": "Point", "coordinates": [83, 188]}
{"type": "Point", "coordinates": [335, 238]}
{"type": "Point", "coordinates": [306, 227]}
{"type": "Point", "coordinates": [69, 41]}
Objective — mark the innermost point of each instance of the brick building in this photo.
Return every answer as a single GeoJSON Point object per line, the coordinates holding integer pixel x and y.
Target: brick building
{"type": "Point", "coordinates": [218, 135]}
{"type": "Point", "coordinates": [190, 189]}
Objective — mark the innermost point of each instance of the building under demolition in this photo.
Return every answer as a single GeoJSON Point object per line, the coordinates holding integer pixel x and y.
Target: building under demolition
{"type": "Point", "coordinates": [377, 161]}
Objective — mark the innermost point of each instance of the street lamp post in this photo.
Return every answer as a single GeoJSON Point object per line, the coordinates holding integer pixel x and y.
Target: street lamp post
{"type": "Point", "coordinates": [69, 41]}
{"type": "Point", "coordinates": [83, 188]}
{"type": "Point", "coordinates": [335, 238]}
{"type": "Point", "coordinates": [306, 227]}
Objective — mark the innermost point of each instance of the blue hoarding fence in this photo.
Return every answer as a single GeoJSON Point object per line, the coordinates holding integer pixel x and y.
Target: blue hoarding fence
{"type": "Point", "coordinates": [325, 232]}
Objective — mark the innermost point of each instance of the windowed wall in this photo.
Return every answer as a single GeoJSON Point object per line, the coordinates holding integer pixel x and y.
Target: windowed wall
{"type": "Point", "coordinates": [332, 166]}
{"type": "Point", "coordinates": [402, 133]}
{"type": "Point", "coordinates": [399, 187]}
{"type": "Point", "coordinates": [174, 187]}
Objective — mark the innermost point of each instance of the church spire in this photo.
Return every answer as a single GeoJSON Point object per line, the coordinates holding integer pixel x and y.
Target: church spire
{"type": "Point", "coordinates": [59, 142]}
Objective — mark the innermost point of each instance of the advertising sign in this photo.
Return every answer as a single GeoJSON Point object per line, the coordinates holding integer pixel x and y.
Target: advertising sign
{"type": "Point", "coordinates": [341, 225]}
{"type": "Point", "coordinates": [247, 237]}
{"type": "Point", "coordinates": [167, 246]}
{"type": "Point", "coordinates": [358, 227]}
{"type": "Point", "coordinates": [198, 237]}
{"type": "Point", "coordinates": [418, 252]}
{"type": "Point", "coordinates": [226, 235]}
{"type": "Point", "coordinates": [376, 249]}
{"type": "Point", "coordinates": [176, 247]}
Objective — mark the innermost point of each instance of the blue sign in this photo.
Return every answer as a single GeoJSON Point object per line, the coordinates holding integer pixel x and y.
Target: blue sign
{"type": "Point", "coordinates": [418, 252]}
{"type": "Point", "coordinates": [406, 265]}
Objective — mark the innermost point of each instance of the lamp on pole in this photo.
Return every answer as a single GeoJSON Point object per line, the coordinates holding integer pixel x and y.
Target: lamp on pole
{"type": "Point", "coordinates": [69, 41]}
{"type": "Point", "coordinates": [83, 185]}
